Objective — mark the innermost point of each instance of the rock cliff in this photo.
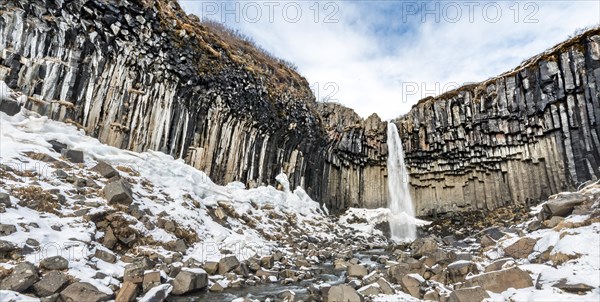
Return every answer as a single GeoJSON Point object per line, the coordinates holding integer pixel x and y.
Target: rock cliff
{"type": "Point", "coordinates": [141, 74]}
{"type": "Point", "coordinates": [513, 139]}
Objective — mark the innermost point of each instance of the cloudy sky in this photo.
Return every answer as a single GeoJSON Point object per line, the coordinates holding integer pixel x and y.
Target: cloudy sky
{"type": "Point", "coordinates": [383, 56]}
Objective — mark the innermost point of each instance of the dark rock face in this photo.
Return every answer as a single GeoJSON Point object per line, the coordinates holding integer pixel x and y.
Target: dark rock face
{"type": "Point", "coordinates": [514, 139]}
{"type": "Point", "coordinates": [145, 76]}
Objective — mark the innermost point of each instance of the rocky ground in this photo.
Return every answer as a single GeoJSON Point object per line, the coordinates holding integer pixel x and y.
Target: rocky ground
{"type": "Point", "coordinates": [81, 221]}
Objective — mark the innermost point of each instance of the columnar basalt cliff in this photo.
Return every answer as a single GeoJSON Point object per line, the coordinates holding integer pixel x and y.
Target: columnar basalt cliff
{"type": "Point", "coordinates": [516, 138]}
{"type": "Point", "coordinates": [141, 74]}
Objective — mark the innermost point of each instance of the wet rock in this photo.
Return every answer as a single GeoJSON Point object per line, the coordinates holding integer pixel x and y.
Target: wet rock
{"type": "Point", "coordinates": [227, 264]}
{"type": "Point", "coordinates": [7, 229]}
{"type": "Point", "coordinates": [50, 284]}
{"type": "Point", "coordinates": [521, 248]}
{"type": "Point", "coordinates": [500, 281]}
{"type": "Point", "coordinates": [24, 275]}
{"type": "Point", "coordinates": [128, 292]}
{"type": "Point", "coordinates": [472, 294]}
{"type": "Point", "coordinates": [189, 280]}
{"type": "Point", "coordinates": [82, 291]}
{"type": "Point", "coordinates": [343, 293]}
{"type": "Point", "coordinates": [105, 170]}
{"type": "Point", "coordinates": [357, 271]}
{"type": "Point", "coordinates": [54, 263]}
{"type": "Point", "coordinates": [118, 191]}
{"type": "Point", "coordinates": [73, 156]}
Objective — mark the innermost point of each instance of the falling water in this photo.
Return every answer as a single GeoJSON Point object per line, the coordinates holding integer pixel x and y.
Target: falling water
{"type": "Point", "coordinates": [402, 212]}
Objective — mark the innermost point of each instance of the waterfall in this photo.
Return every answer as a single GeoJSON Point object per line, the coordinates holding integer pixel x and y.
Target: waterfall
{"type": "Point", "coordinates": [402, 212]}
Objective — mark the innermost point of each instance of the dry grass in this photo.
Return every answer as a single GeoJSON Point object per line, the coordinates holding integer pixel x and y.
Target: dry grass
{"type": "Point", "coordinates": [37, 199]}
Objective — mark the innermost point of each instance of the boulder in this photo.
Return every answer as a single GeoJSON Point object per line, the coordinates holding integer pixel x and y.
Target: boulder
{"type": "Point", "coordinates": [7, 229]}
{"type": "Point", "coordinates": [386, 287]}
{"type": "Point", "coordinates": [158, 294]}
{"type": "Point", "coordinates": [562, 205]}
{"type": "Point", "coordinates": [73, 156]}
{"type": "Point", "coordinates": [552, 222]}
{"type": "Point", "coordinates": [118, 191]}
{"type": "Point", "coordinates": [151, 280]}
{"type": "Point", "coordinates": [267, 262]}
{"type": "Point", "coordinates": [57, 146]}
{"type": "Point", "coordinates": [571, 287]}
{"type": "Point", "coordinates": [500, 281]}
{"type": "Point", "coordinates": [457, 271]}
{"type": "Point", "coordinates": [105, 170]}
{"type": "Point", "coordinates": [105, 256]}
{"type": "Point", "coordinates": [471, 294]}
{"type": "Point", "coordinates": [357, 271]}
{"type": "Point", "coordinates": [422, 246]}
{"type": "Point", "coordinates": [497, 265]}
{"type": "Point", "coordinates": [5, 200]}
{"type": "Point", "coordinates": [24, 275]}
{"type": "Point", "coordinates": [371, 278]}
{"type": "Point", "coordinates": [227, 264]}
{"type": "Point", "coordinates": [397, 271]}
{"type": "Point", "coordinates": [211, 267]}
{"type": "Point", "coordinates": [342, 293]}
{"type": "Point", "coordinates": [134, 272]}
{"type": "Point", "coordinates": [189, 280]}
{"type": "Point", "coordinates": [82, 291]}
{"type": "Point", "coordinates": [216, 287]}
{"type": "Point", "coordinates": [9, 107]}
{"type": "Point", "coordinates": [50, 284]}
{"type": "Point", "coordinates": [521, 248]}
{"type": "Point", "coordinates": [369, 290]}
{"type": "Point", "coordinates": [7, 249]}
{"type": "Point", "coordinates": [411, 284]}
{"type": "Point", "coordinates": [431, 295]}
{"type": "Point", "coordinates": [128, 292]}
{"type": "Point", "coordinates": [54, 263]}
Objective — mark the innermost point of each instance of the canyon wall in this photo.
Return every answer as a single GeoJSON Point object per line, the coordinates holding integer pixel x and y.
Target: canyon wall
{"type": "Point", "coordinates": [143, 75]}
{"type": "Point", "coordinates": [516, 138]}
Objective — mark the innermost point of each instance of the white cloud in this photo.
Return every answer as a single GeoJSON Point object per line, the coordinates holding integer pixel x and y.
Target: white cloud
{"type": "Point", "coordinates": [374, 49]}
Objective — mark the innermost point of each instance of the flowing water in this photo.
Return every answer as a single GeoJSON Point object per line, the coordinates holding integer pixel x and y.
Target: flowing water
{"type": "Point", "coordinates": [402, 211]}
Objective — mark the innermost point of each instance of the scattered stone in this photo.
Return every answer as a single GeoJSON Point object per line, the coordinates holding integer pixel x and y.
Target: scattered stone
{"type": "Point", "coordinates": [500, 281]}
{"type": "Point", "coordinates": [227, 264]}
{"type": "Point", "coordinates": [128, 292]}
{"type": "Point", "coordinates": [189, 280]}
{"type": "Point", "coordinates": [105, 170]}
{"type": "Point", "coordinates": [521, 248]}
{"type": "Point", "coordinates": [24, 275]}
{"type": "Point", "coordinates": [54, 263]}
{"type": "Point", "coordinates": [50, 284]}
{"type": "Point", "coordinates": [472, 294]}
{"type": "Point", "coordinates": [7, 229]}
{"type": "Point", "coordinates": [73, 156]}
{"type": "Point", "coordinates": [82, 291]}
{"type": "Point", "coordinates": [118, 191]}
{"type": "Point", "coordinates": [357, 271]}
{"type": "Point", "coordinates": [105, 256]}
{"type": "Point", "coordinates": [342, 293]}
